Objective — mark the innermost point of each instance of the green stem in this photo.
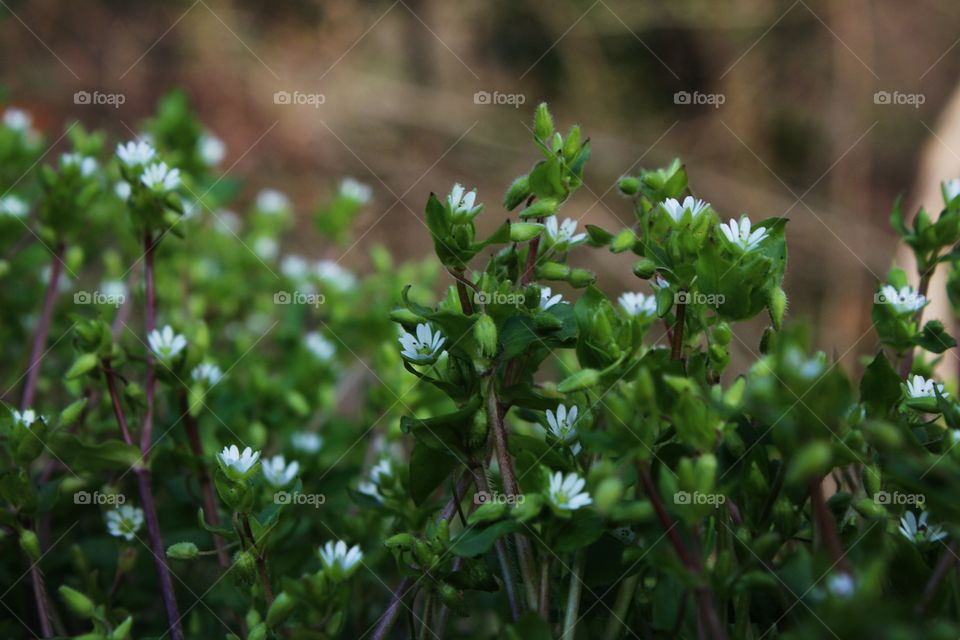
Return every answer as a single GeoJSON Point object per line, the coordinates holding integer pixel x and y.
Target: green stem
{"type": "Point", "coordinates": [573, 598]}
{"type": "Point", "coordinates": [618, 616]}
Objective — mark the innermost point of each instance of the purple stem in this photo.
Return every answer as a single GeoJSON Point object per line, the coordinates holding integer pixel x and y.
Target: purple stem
{"type": "Point", "coordinates": [43, 329]}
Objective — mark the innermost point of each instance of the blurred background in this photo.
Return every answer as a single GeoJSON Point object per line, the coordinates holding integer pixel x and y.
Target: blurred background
{"type": "Point", "coordinates": [822, 111]}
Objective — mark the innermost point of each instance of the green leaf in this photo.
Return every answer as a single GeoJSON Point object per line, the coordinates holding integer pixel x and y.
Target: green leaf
{"type": "Point", "coordinates": [82, 365]}
{"type": "Point", "coordinates": [110, 455]}
{"type": "Point", "coordinates": [476, 541]}
{"type": "Point", "coordinates": [429, 467]}
{"type": "Point", "coordinates": [934, 338]}
{"type": "Point", "coordinates": [880, 386]}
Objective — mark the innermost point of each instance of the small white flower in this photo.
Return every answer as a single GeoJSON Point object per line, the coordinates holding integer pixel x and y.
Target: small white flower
{"type": "Point", "coordinates": [380, 473]}
{"type": "Point", "coordinates": [266, 247]}
{"type": "Point", "coordinates": [340, 561]}
{"type": "Point", "coordinates": [135, 154]}
{"type": "Point", "coordinates": [905, 301]}
{"type": "Point", "coordinates": [739, 234]}
{"type": "Point", "coordinates": [565, 491]}
{"type": "Point", "coordinates": [278, 473]}
{"type": "Point", "coordinates": [841, 585]}
{"type": "Point", "coordinates": [18, 120]}
{"type": "Point", "coordinates": [208, 373]}
{"type": "Point", "coordinates": [212, 150]}
{"type": "Point", "coordinates": [165, 343]}
{"type": "Point", "coordinates": [124, 521]}
{"type": "Point", "coordinates": [271, 201]}
{"type": "Point", "coordinates": [638, 304]}
{"type": "Point", "coordinates": [916, 530]}
{"type": "Point", "coordinates": [424, 347]}
{"type": "Point", "coordinates": [159, 178]}
{"type": "Point", "coordinates": [122, 190]}
{"type": "Point", "coordinates": [235, 462]}
{"type": "Point", "coordinates": [13, 206]}
{"type": "Point", "coordinates": [306, 441]}
{"type": "Point", "coordinates": [675, 209]}
{"type": "Point", "coordinates": [24, 418]}
{"type": "Point", "coordinates": [355, 190]}
{"type": "Point", "coordinates": [86, 164]}
{"type": "Point", "coordinates": [115, 290]}
{"type": "Point", "coordinates": [563, 235]}
{"type": "Point", "coordinates": [563, 426]}
{"type": "Point", "coordinates": [294, 267]}
{"type": "Point", "coordinates": [461, 202]}
{"type": "Point", "coordinates": [951, 189]}
{"type": "Point", "coordinates": [548, 299]}
{"type": "Point", "coordinates": [332, 273]}
{"type": "Point", "coordinates": [319, 346]}
{"type": "Point", "coordinates": [920, 387]}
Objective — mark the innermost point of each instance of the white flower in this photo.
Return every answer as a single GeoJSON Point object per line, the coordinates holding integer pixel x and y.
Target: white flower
{"type": "Point", "coordinates": [548, 299]}
{"type": "Point", "coordinates": [24, 418]}
{"type": "Point", "coordinates": [332, 273]}
{"type": "Point", "coordinates": [563, 426]}
{"type": "Point", "coordinates": [266, 247]}
{"type": "Point", "coordinates": [675, 209]}
{"type": "Point", "coordinates": [319, 346]}
{"type": "Point", "coordinates": [122, 190]}
{"type": "Point", "coordinates": [638, 304]}
{"type": "Point", "coordinates": [904, 301]}
{"type": "Point", "coordinates": [207, 372]}
{"type": "Point", "coordinates": [951, 189]}
{"type": "Point", "coordinates": [841, 585]}
{"type": "Point", "coordinates": [235, 462]}
{"type": "Point", "coordinates": [115, 290]}
{"type": "Point", "coordinates": [563, 235]}
{"type": "Point", "coordinates": [739, 233]}
{"type": "Point", "coordinates": [86, 164]}
{"type": "Point", "coordinates": [124, 521]}
{"type": "Point", "coordinates": [381, 472]}
{"type": "Point", "coordinates": [18, 120]}
{"type": "Point", "coordinates": [272, 202]}
{"type": "Point", "coordinates": [461, 202]}
{"type": "Point", "coordinates": [212, 150]}
{"type": "Point", "coordinates": [135, 154]}
{"type": "Point", "coordinates": [278, 473]}
{"type": "Point", "coordinates": [13, 206]}
{"type": "Point", "coordinates": [916, 530]}
{"type": "Point", "coordinates": [160, 178]}
{"type": "Point", "coordinates": [355, 190]}
{"type": "Point", "coordinates": [340, 561]}
{"type": "Point", "coordinates": [565, 492]}
{"type": "Point", "coordinates": [306, 441]}
{"type": "Point", "coordinates": [165, 343]}
{"type": "Point", "coordinates": [920, 387]}
{"type": "Point", "coordinates": [294, 267]}
{"type": "Point", "coordinates": [422, 348]}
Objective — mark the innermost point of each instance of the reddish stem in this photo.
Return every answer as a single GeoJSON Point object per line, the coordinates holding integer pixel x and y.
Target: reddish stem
{"type": "Point", "coordinates": [826, 525]}
{"type": "Point", "coordinates": [43, 329]}
{"type": "Point", "coordinates": [146, 435]}
{"type": "Point", "coordinates": [210, 505]}
{"type": "Point", "coordinates": [676, 347]}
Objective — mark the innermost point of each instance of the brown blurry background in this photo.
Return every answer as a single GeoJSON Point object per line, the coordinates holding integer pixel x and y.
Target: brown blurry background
{"type": "Point", "coordinates": [799, 131]}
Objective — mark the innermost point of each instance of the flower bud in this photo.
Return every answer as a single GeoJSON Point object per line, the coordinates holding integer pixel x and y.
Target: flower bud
{"type": "Point", "coordinates": [259, 632]}
{"type": "Point", "coordinates": [183, 551]}
{"type": "Point", "coordinates": [280, 610]}
{"type": "Point", "coordinates": [583, 379]}
{"type": "Point", "coordinates": [518, 192]}
{"type": "Point", "coordinates": [30, 544]}
{"type": "Point", "coordinates": [541, 208]}
{"type": "Point", "coordinates": [80, 604]}
{"type": "Point", "coordinates": [629, 185]}
{"type": "Point", "coordinates": [244, 569]}
{"type": "Point", "coordinates": [477, 435]}
{"type": "Point", "coordinates": [399, 541]}
{"type": "Point", "coordinates": [777, 306]}
{"type": "Point", "coordinates": [553, 271]}
{"type": "Point", "coordinates": [623, 241]}
{"type": "Point", "coordinates": [722, 333]}
{"type": "Point", "coordinates": [580, 278]}
{"type": "Point", "coordinates": [607, 495]}
{"type": "Point", "coordinates": [523, 231]}
{"type": "Point", "coordinates": [485, 333]}
{"type": "Point", "coordinates": [542, 122]}
{"type": "Point", "coordinates": [644, 268]}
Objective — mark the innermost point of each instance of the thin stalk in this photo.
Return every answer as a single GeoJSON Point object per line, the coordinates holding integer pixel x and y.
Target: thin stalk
{"type": "Point", "coordinates": [907, 364]}
{"type": "Point", "coordinates": [826, 525]}
{"type": "Point", "coordinates": [573, 598]}
{"type": "Point", "coordinates": [620, 608]}
{"type": "Point", "coordinates": [261, 561]}
{"type": "Point", "coordinates": [425, 619]}
{"type": "Point", "coordinates": [676, 343]}
{"type": "Point", "coordinates": [40, 596]}
{"type": "Point", "coordinates": [947, 558]}
{"type": "Point", "coordinates": [462, 282]}
{"type": "Point", "coordinates": [159, 552]}
{"type": "Point", "coordinates": [544, 604]}
{"type": "Point", "coordinates": [389, 616]}
{"type": "Point", "coordinates": [501, 550]}
{"type": "Point", "coordinates": [533, 248]}
{"type": "Point", "coordinates": [146, 435]}
{"type": "Point", "coordinates": [43, 329]}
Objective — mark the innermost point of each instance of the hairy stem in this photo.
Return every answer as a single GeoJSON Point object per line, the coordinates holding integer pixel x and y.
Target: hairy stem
{"type": "Point", "coordinates": [676, 340]}
{"type": "Point", "coordinates": [573, 598]}
{"type": "Point", "coordinates": [43, 329]}
{"type": "Point", "coordinates": [465, 302]}
{"type": "Point", "coordinates": [532, 250]}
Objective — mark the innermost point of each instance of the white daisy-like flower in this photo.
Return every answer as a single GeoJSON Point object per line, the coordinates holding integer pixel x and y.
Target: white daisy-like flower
{"type": "Point", "coordinates": [165, 343]}
{"type": "Point", "coordinates": [306, 441]}
{"type": "Point", "coordinates": [675, 209]}
{"type": "Point", "coordinates": [271, 201]}
{"type": "Point", "coordinates": [278, 473]}
{"type": "Point", "coordinates": [13, 206]}
{"type": "Point", "coordinates": [548, 298]}
{"type": "Point", "coordinates": [841, 585]}
{"type": "Point", "coordinates": [355, 190]}
{"type": "Point", "coordinates": [424, 347]}
{"type": "Point", "coordinates": [122, 190]}
{"type": "Point", "coordinates": [294, 267]}
{"type": "Point", "coordinates": [920, 387]}
{"type": "Point", "coordinates": [566, 492]}
{"type": "Point", "coordinates": [563, 426]}
{"type": "Point", "coordinates": [462, 204]}
{"type": "Point", "coordinates": [381, 472]}
{"type": "Point", "coordinates": [24, 418]}
{"type": "Point", "coordinates": [266, 247]}
{"type": "Point", "coordinates": [951, 189]}
{"type": "Point", "coordinates": [208, 373]}
{"type": "Point", "coordinates": [332, 273]}
{"type": "Point", "coordinates": [339, 561]}
{"type": "Point", "coordinates": [124, 521]}
{"type": "Point", "coordinates": [135, 153]}
{"type": "Point", "coordinates": [237, 463]}
{"type": "Point", "coordinates": [319, 346]}
{"type": "Point", "coordinates": [906, 300]}
{"type": "Point", "coordinates": [158, 177]}
{"type": "Point", "coordinates": [917, 530]}
{"type": "Point", "coordinates": [18, 120]}
{"type": "Point", "coordinates": [86, 164]}
{"type": "Point", "coordinates": [563, 235]}
{"type": "Point", "coordinates": [212, 149]}
{"type": "Point", "coordinates": [739, 234]}
{"type": "Point", "coordinates": [638, 304]}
